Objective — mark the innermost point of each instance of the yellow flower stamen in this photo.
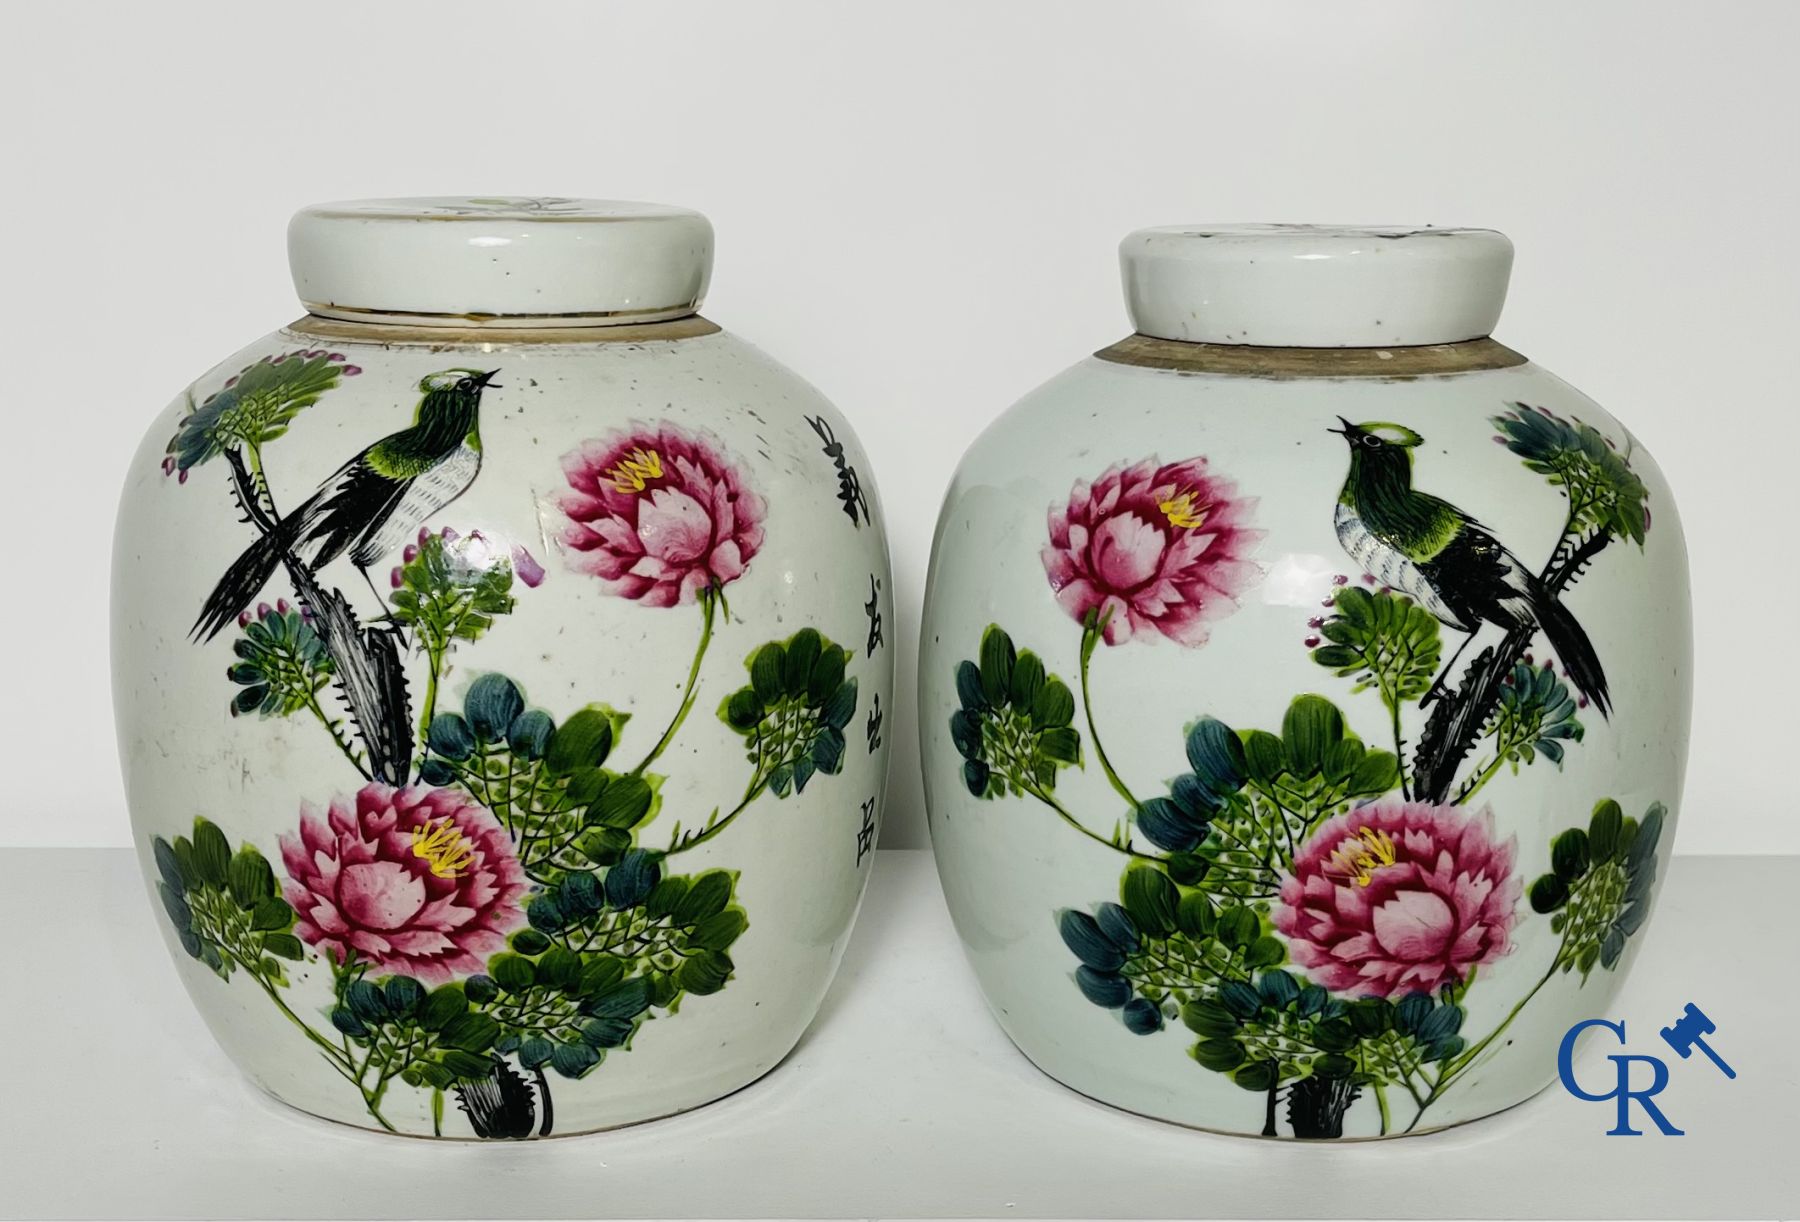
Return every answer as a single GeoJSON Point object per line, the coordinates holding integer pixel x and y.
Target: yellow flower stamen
{"type": "Point", "coordinates": [635, 471]}
{"type": "Point", "coordinates": [1356, 860]}
{"type": "Point", "coordinates": [1182, 513]}
{"type": "Point", "coordinates": [443, 848]}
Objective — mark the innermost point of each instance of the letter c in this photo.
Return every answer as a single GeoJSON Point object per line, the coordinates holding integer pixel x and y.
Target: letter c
{"type": "Point", "coordinates": [1565, 1059]}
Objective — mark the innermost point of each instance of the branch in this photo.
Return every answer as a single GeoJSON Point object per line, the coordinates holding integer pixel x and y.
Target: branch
{"type": "Point", "coordinates": [365, 661]}
{"type": "Point", "coordinates": [1456, 723]}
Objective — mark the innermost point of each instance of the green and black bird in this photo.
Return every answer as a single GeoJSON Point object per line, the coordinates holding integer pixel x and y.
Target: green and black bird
{"type": "Point", "coordinates": [1426, 547]}
{"type": "Point", "coordinates": [373, 503]}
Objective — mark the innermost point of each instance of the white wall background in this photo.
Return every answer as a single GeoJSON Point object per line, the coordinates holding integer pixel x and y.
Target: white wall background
{"type": "Point", "coordinates": [917, 206]}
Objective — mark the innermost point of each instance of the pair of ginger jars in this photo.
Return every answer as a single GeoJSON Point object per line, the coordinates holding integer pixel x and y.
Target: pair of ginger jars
{"type": "Point", "coordinates": [502, 651]}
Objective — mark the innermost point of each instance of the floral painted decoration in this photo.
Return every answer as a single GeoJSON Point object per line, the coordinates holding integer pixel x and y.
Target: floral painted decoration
{"type": "Point", "coordinates": [417, 880]}
{"type": "Point", "coordinates": [1310, 909]}
{"type": "Point", "coordinates": [659, 514]}
{"type": "Point", "coordinates": [482, 901]}
{"type": "Point", "coordinates": [1399, 897]}
{"type": "Point", "coordinates": [1152, 548]}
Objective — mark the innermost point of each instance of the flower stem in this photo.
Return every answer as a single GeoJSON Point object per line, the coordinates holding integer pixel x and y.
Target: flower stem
{"type": "Point", "coordinates": [330, 1050]}
{"type": "Point", "coordinates": [1456, 1067]}
{"type": "Point", "coordinates": [694, 839]}
{"type": "Point", "coordinates": [1482, 778]}
{"type": "Point", "coordinates": [1090, 638]}
{"type": "Point", "coordinates": [434, 659]}
{"type": "Point", "coordinates": [708, 610]}
{"type": "Point", "coordinates": [1393, 706]}
{"type": "Point", "coordinates": [331, 728]}
{"type": "Point", "coordinates": [1049, 800]}
{"type": "Point", "coordinates": [1381, 1103]}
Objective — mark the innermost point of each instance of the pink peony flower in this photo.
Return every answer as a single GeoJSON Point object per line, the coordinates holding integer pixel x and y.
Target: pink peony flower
{"type": "Point", "coordinates": [1152, 547]}
{"type": "Point", "coordinates": [415, 880]}
{"type": "Point", "coordinates": [1399, 897]}
{"type": "Point", "coordinates": [659, 514]}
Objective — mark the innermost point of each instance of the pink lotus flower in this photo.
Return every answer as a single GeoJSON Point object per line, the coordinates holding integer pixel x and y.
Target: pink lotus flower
{"type": "Point", "coordinates": [416, 880]}
{"type": "Point", "coordinates": [659, 514]}
{"type": "Point", "coordinates": [1399, 897]}
{"type": "Point", "coordinates": [1152, 547]}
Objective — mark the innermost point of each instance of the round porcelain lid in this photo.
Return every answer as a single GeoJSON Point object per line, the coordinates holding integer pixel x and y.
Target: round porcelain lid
{"type": "Point", "coordinates": [503, 261]}
{"type": "Point", "coordinates": [1315, 286]}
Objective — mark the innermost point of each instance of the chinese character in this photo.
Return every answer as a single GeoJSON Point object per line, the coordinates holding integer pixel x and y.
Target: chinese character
{"type": "Point", "coordinates": [873, 608]}
{"type": "Point", "coordinates": [874, 726]}
{"type": "Point", "coordinates": [865, 836]}
{"type": "Point", "coordinates": [849, 486]}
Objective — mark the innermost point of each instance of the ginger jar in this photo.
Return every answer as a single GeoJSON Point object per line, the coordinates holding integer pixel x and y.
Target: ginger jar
{"type": "Point", "coordinates": [498, 664]}
{"type": "Point", "coordinates": [1305, 692]}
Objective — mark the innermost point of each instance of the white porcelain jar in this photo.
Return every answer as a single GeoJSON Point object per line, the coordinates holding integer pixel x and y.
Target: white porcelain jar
{"type": "Point", "coordinates": [1385, 632]}
{"type": "Point", "coordinates": [499, 667]}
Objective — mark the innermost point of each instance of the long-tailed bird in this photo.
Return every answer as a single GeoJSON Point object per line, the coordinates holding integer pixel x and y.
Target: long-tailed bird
{"type": "Point", "coordinates": [1426, 547]}
{"type": "Point", "coordinates": [373, 503]}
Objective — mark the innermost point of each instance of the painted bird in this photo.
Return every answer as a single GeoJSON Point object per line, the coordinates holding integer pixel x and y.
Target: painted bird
{"type": "Point", "coordinates": [1426, 547]}
{"type": "Point", "coordinates": [373, 503]}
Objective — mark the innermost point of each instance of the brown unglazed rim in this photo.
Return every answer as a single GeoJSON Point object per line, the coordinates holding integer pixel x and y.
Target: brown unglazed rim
{"type": "Point", "coordinates": [1245, 361]}
{"type": "Point", "coordinates": [691, 327]}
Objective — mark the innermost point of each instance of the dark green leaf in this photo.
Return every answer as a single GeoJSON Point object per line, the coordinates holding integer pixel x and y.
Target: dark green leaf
{"type": "Point", "coordinates": [580, 743]}
{"type": "Point", "coordinates": [285, 945]}
{"type": "Point", "coordinates": [212, 853]}
{"type": "Point", "coordinates": [493, 702]}
{"type": "Point", "coordinates": [997, 657]}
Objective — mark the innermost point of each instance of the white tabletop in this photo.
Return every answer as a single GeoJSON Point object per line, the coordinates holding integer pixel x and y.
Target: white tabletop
{"type": "Point", "coordinates": [904, 1099]}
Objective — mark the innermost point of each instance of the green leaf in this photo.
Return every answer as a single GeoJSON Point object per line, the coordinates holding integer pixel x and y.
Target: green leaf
{"type": "Point", "coordinates": [493, 702]}
{"type": "Point", "coordinates": [442, 1005]}
{"type": "Point", "coordinates": [719, 930]}
{"type": "Point", "coordinates": [1151, 899]}
{"type": "Point", "coordinates": [1569, 855]}
{"type": "Point", "coordinates": [1054, 705]}
{"type": "Point", "coordinates": [1310, 728]}
{"type": "Point", "coordinates": [470, 1032]}
{"type": "Point", "coordinates": [271, 915]}
{"type": "Point", "coordinates": [997, 657]}
{"type": "Point", "coordinates": [212, 853]}
{"type": "Point", "coordinates": [167, 865]}
{"type": "Point", "coordinates": [766, 672]}
{"type": "Point", "coordinates": [801, 655]}
{"type": "Point", "coordinates": [827, 674]}
{"type": "Point", "coordinates": [1604, 831]}
{"type": "Point", "coordinates": [1062, 745]}
{"type": "Point", "coordinates": [1548, 894]}
{"type": "Point", "coordinates": [627, 999]}
{"type": "Point", "coordinates": [1256, 1076]}
{"type": "Point", "coordinates": [513, 973]}
{"type": "Point", "coordinates": [285, 945]}
{"type": "Point", "coordinates": [467, 1066]}
{"type": "Point", "coordinates": [1238, 927]}
{"type": "Point", "coordinates": [707, 895]}
{"type": "Point", "coordinates": [705, 973]}
{"type": "Point", "coordinates": [1209, 1020]}
{"type": "Point", "coordinates": [1265, 951]}
{"type": "Point", "coordinates": [1219, 1055]}
{"type": "Point", "coordinates": [249, 878]}
{"type": "Point", "coordinates": [623, 803]}
{"type": "Point", "coordinates": [1027, 680]}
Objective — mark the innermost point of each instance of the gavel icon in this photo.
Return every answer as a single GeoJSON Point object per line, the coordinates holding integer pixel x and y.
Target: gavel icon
{"type": "Point", "coordinates": [1686, 1034]}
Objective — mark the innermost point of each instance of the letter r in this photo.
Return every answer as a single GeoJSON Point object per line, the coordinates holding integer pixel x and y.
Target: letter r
{"type": "Point", "coordinates": [1659, 1079]}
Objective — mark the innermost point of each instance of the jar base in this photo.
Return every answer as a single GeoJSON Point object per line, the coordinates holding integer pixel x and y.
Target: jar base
{"type": "Point", "coordinates": [1245, 1134]}
{"type": "Point", "coordinates": [587, 1131]}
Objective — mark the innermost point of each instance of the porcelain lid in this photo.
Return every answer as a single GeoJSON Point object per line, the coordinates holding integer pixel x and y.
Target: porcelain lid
{"type": "Point", "coordinates": [1315, 286]}
{"type": "Point", "coordinates": [500, 261]}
